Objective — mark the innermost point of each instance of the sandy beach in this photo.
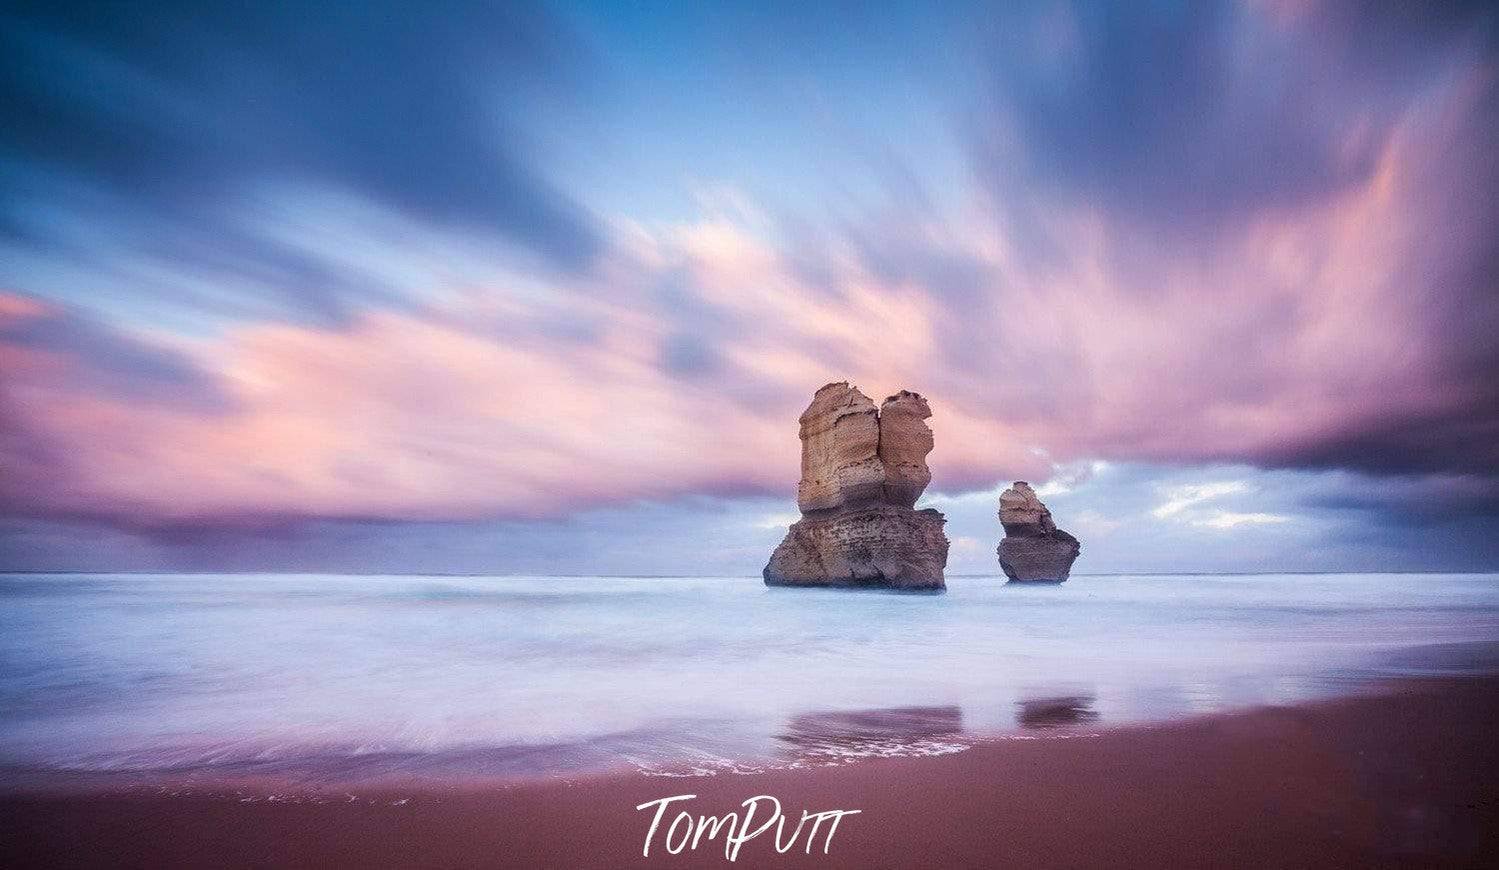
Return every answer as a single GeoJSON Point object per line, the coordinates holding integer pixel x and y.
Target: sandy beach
{"type": "Point", "coordinates": [1403, 777]}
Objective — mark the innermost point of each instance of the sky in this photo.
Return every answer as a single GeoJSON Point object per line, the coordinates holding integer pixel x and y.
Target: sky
{"type": "Point", "coordinates": [480, 287]}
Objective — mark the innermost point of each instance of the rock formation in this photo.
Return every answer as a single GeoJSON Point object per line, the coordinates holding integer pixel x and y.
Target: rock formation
{"type": "Point", "coordinates": [1033, 549]}
{"type": "Point", "coordinates": [862, 470]}
{"type": "Point", "coordinates": [840, 451]}
{"type": "Point", "coordinates": [905, 440]}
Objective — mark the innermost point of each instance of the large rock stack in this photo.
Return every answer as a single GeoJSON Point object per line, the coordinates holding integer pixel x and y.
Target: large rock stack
{"type": "Point", "coordinates": [1033, 549]}
{"type": "Point", "coordinates": [862, 470]}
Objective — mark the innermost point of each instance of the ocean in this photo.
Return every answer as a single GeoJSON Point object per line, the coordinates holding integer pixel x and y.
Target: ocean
{"type": "Point", "coordinates": [326, 679]}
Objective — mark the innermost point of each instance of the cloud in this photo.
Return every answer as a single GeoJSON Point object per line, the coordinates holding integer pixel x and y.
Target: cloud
{"type": "Point", "coordinates": [58, 349]}
{"type": "Point", "coordinates": [777, 521]}
{"type": "Point", "coordinates": [1231, 519]}
{"type": "Point", "coordinates": [1186, 503]}
{"type": "Point", "coordinates": [1255, 236]}
{"type": "Point", "coordinates": [1185, 119]}
{"type": "Point", "coordinates": [1242, 204]}
{"type": "Point", "coordinates": [1179, 498]}
{"type": "Point", "coordinates": [158, 123]}
{"type": "Point", "coordinates": [1066, 478]}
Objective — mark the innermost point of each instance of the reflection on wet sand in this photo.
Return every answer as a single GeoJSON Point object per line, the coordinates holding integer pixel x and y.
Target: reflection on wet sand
{"type": "Point", "coordinates": [847, 735]}
{"type": "Point", "coordinates": [1056, 712]}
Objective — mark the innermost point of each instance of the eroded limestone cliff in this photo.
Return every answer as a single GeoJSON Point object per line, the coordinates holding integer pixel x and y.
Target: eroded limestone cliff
{"type": "Point", "coordinates": [1033, 549]}
{"type": "Point", "coordinates": [862, 471]}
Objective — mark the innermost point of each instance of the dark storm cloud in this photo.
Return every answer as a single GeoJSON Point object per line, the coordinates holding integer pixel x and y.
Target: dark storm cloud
{"type": "Point", "coordinates": [1411, 500]}
{"type": "Point", "coordinates": [1460, 439]}
{"type": "Point", "coordinates": [163, 110]}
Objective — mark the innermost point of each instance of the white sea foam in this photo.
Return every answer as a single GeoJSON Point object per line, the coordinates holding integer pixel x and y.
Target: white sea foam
{"type": "Point", "coordinates": [355, 678]}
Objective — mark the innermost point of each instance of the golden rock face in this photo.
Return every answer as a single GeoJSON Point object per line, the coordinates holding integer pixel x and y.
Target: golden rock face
{"type": "Point", "coordinates": [854, 454]}
{"type": "Point", "coordinates": [863, 468]}
{"type": "Point", "coordinates": [840, 434]}
{"type": "Point", "coordinates": [1034, 550]}
{"type": "Point", "coordinates": [905, 441]}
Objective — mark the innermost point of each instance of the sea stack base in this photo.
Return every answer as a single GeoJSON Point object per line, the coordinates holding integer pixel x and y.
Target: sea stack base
{"type": "Point", "coordinates": [879, 546]}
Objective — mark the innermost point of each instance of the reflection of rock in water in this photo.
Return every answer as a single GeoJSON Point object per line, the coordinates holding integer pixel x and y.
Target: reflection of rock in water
{"type": "Point", "coordinates": [1056, 712]}
{"type": "Point", "coordinates": [844, 736]}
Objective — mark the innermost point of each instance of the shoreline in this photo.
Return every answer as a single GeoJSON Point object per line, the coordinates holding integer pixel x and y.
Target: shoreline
{"type": "Point", "coordinates": [1407, 775]}
{"type": "Point", "coordinates": [313, 779]}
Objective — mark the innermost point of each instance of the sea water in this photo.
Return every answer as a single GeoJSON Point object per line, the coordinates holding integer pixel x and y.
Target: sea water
{"type": "Point", "coordinates": [324, 678]}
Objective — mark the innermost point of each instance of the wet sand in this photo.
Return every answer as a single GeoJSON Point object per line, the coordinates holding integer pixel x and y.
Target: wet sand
{"type": "Point", "coordinates": [1407, 777]}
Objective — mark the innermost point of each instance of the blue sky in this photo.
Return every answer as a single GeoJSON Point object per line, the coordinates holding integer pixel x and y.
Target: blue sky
{"type": "Point", "coordinates": [494, 287]}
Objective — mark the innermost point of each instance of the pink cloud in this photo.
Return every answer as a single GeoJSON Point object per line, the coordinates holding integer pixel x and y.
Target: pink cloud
{"type": "Point", "coordinates": [1295, 330]}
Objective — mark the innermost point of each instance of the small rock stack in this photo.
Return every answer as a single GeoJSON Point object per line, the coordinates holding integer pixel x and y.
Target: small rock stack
{"type": "Point", "coordinates": [1033, 549]}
